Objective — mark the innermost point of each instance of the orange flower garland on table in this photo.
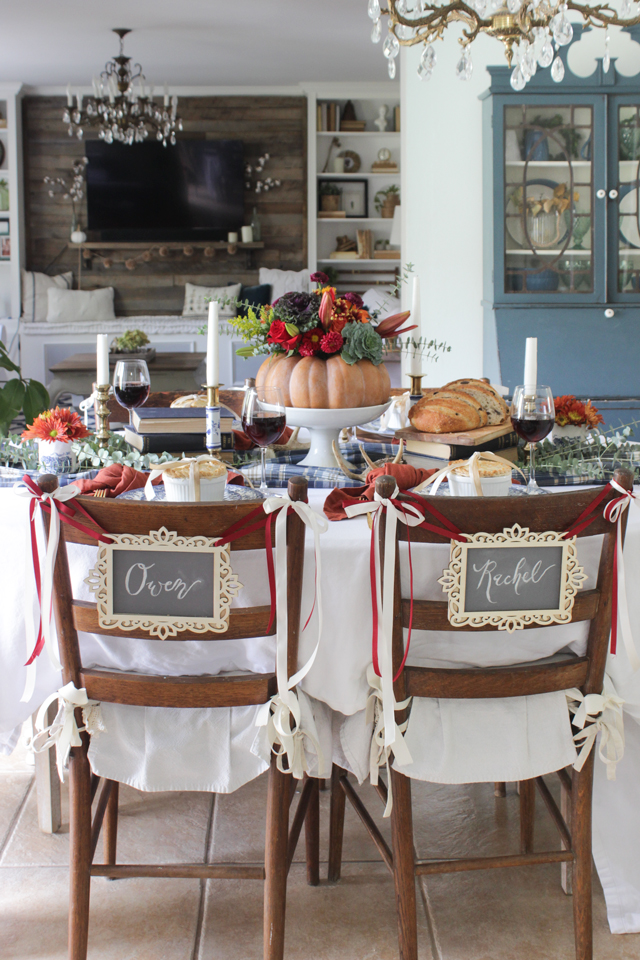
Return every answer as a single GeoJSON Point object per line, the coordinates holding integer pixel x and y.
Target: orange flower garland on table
{"type": "Point", "coordinates": [574, 413]}
{"type": "Point", "coordinates": [57, 424]}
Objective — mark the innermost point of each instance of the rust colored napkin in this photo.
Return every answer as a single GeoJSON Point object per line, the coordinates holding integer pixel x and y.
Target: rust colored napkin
{"type": "Point", "coordinates": [404, 474]}
{"type": "Point", "coordinates": [118, 479]}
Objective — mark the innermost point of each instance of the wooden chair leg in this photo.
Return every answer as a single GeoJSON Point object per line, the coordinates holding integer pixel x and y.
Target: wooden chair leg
{"type": "Point", "coordinates": [336, 824]}
{"type": "Point", "coordinates": [110, 825]}
{"type": "Point", "coordinates": [276, 862]}
{"type": "Point", "coordinates": [527, 814]}
{"type": "Point", "coordinates": [404, 866]}
{"type": "Point", "coordinates": [566, 869]}
{"type": "Point", "coordinates": [581, 836]}
{"type": "Point", "coordinates": [312, 836]}
{"type": "Point", "coordinates": [79, 852]}
{"type": "Point", "coordinates": [499, 789]}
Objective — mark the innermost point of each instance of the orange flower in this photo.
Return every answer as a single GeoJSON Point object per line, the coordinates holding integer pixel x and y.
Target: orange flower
{"type": "Point", "coordinates": [570, 411]}
{"type": "Point", "coordinates": [57, 424]}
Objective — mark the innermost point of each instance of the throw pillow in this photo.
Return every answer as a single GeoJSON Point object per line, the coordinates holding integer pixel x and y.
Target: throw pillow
{"type": "Point", "coordinates": [284, 281]}
{"type": "Point", "coordinates": [34, 292]}
{"type": "Point", "coordinates": [196, 299]}
{"type": "Point", "coordinates": [258, 296]}
{"type": "Point", "coordinates": [67, 306]}
{"type": "Point", "coordinates": [383, 301]}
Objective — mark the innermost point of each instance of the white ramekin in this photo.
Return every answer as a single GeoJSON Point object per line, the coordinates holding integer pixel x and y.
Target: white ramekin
{"type": "Point", "coordinates": [210, 489]}
{"type": "Point", "coordinates": [460, 486]}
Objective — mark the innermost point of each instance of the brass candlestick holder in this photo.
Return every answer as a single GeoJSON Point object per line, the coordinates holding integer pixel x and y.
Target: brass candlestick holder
{"type": "Point", "coordinates": [102, 414]}
{"type": "Point", "coordinates": [416, 385]}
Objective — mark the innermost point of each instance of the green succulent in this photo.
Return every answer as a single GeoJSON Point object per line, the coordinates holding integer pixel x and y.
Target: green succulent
{"type": "Point", "coordinates": [361, 343]}
{"type": "Point", "coordinates": [131, 340]}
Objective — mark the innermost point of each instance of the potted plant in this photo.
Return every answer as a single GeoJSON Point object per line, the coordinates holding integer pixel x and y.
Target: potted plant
{"type": "Point", "coordinates": [330, 194]}
{"type": "Point", "coordinates": [574, 419]}
{"type": "Point", "coordinates": [55, 430]}
{"type": "Point", "coordinates": [19, 394]}
{"type": "Point", "coordinates": [386, 200]}
{"type": "Point", "coordinates": [133, 343]}
{"type": "Point", "coordinates": [324, 350]}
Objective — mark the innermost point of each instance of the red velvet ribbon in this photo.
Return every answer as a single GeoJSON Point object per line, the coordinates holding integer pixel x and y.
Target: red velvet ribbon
{"type": "Point", "coordinates": [66, 514]}
{"type": "Point", "coordinates": [447, 530]}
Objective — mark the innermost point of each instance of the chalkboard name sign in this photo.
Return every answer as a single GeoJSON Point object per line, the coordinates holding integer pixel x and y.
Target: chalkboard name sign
{"type": "Point", "coordinates": [512, 579]}
{"type": "Point", "coordinates": [163, 584]}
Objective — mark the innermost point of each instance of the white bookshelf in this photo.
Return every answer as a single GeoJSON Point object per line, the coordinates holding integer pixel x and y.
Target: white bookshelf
{"type": "Point", "coordinates": [367, 98]}
{"type": "Point", "coordinates": [11, 171]}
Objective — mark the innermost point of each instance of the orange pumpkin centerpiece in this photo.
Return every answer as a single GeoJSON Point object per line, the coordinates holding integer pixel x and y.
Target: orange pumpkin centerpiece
{"type": "Point", "coordinates": [325, 351]}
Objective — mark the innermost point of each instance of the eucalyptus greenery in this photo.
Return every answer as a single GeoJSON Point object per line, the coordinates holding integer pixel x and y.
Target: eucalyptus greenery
{"type": "Point", "coordinates": [90, 455]}
{"type": "Point", "coordinates": [594, 458]}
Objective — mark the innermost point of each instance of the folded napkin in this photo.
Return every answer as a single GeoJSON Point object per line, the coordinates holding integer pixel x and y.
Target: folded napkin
{"type": "Point", "coordinates": [118, 479]}
{"type": "Point", "coordinates": [405, 476]}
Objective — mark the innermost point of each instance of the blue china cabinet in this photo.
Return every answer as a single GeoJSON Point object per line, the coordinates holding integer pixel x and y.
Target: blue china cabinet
{"type": "Point", "coordinates": [562, 230]}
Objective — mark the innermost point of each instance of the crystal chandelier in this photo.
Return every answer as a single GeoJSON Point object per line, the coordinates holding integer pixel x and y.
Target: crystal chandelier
{"type": "Point", "coordinates": [532, 31]}
{"type": "Point", "coordinates": [121, 110]}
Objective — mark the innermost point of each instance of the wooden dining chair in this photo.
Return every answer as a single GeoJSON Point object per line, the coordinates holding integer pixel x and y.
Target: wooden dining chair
{"type": "Point", "coordinates": [188, 520]}
{"type": "Point", "coordinates": [470, 515]}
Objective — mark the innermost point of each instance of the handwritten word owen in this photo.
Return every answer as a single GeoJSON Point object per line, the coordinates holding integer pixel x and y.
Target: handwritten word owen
{"type": "Point", "coordinates": [518, 577]}
{"type": "Point", "coordinates": [136, 584]}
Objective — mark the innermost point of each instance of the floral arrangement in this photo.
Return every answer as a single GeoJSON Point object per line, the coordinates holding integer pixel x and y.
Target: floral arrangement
{"type": "Point", "coordinates": [572, 412]}
{"type": "Point", "coordinates": [319, 324]}
{"type": "Point", "coordinates": [57, 424]}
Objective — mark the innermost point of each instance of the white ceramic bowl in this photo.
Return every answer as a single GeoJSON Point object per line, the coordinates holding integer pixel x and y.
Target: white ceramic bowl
{"type": "Point", "coordinates": [177, 488]}
{"type": "Point", "coordinates": [460, 486]}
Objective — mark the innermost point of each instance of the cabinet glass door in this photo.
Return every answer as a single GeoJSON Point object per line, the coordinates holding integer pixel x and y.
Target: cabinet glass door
{"type": "Point", "coordinates": [548, 200]}
{"type": "Point", "coordinates": [627, 117]}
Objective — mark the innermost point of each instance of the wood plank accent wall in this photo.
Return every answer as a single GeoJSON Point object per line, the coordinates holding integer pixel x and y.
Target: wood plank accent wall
{"type": "Point", "coordinates": [275, 125]}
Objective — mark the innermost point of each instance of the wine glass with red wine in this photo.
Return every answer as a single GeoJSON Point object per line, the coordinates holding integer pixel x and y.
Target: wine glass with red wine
{"type": "Point", "coordinates": [533, 416]}
{"type": "Point", "coordinates": [264, 420]}
{"type": "Point", "coordinates": [131, 384]}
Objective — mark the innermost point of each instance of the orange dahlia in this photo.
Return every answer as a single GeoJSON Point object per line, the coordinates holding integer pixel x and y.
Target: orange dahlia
{"type": "Point", "coordinates": [57, 424]}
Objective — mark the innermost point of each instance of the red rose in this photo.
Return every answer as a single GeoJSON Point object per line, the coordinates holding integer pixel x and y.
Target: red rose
{"type": "Point", "coordinates": [278, 334]}
{"type": "Point", "coordinates": [331, 342]}
{"type": "Point", "coordinates": [310, 343]}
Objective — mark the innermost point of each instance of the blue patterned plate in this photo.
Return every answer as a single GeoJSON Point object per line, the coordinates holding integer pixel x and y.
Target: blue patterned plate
{"type": "Point", "coordinates": [232, 494]}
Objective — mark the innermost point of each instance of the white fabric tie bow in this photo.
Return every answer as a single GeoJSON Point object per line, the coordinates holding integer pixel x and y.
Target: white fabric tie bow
{"type": "Point", "coordinates": [64, 732]}
{"type": "Point", "coordinates": [598, 713]}
{"type": "Point", "coordinates": [281, 715]}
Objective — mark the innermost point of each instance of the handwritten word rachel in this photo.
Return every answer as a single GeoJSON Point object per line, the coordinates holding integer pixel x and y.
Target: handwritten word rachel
{"type": "Point", "coordinates": [519, 576]}
{"type": "Point", "coordinates": [136, 581]}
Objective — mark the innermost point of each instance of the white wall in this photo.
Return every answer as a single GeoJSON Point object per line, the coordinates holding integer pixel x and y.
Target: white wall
{"type": "Point", "coordinates": [442, 188]}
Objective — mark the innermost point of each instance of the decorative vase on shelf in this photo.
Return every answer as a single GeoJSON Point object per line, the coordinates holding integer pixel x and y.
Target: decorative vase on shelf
{"type": "Point", "coordinates": [256, 225]}
{"type": "Point", "coordinates": [56, 456]}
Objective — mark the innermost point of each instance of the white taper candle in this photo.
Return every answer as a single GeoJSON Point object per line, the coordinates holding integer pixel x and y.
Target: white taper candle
{"type": "Point", "coordinates": [415, 355]}
{"type": "Point", "coordinates": [531, 364]}
{"type": "Point", "coordinates": [102, 365]}
{"type": "Point", "coordinates": [213, 353]}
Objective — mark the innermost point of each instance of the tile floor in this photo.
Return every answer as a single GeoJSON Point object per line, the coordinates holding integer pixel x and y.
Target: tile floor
{"type": "Point", "coordinates": [495, 915]}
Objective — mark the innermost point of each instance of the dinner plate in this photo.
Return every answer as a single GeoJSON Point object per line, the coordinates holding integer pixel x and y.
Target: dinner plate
{"type": "Point", "coordinates": [232, 494]}
{"type": "Point", "coordinates": [627, 214]}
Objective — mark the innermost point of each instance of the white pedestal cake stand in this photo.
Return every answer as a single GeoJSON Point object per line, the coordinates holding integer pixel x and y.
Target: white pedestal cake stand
{"type": "Point", "coordinates": [325, 426]}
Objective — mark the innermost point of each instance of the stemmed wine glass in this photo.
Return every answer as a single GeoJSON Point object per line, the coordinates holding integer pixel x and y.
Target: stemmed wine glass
{"type": "Point", "coordinates": [264, 421]}
{"type": "Point", "coordinates": [131, 384]}
{"type": "Point", "coordinates": [533, 416]}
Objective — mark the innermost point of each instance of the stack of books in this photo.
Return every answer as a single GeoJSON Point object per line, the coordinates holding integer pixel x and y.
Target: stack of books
{"type": "Point", "coordinates": [424, 450]}
{"type": "Point", "coordinates": [179, 430]}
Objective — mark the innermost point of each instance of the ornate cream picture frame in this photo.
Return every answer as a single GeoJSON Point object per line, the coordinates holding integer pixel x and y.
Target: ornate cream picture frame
{"type": "Point", "coordinates": [512, 579]}
{"type": "Point", "coordinates": [132, 595]}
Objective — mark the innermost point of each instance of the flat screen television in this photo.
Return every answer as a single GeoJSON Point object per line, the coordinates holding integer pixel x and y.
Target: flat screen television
{"type": "Point", "coordinates": [191, 191]}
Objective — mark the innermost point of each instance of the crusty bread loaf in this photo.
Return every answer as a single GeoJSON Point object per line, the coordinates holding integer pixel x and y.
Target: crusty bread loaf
{"type": "Point", "coordinates": [485, 395]}
{"type": "Point", "coordinates": [431, 415]}
{"type": "Point", "coordinates": [465, 398]}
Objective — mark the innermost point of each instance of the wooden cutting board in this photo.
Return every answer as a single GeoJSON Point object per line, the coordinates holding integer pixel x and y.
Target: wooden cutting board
{"type": "Point", "coordinates": [466, 438]}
